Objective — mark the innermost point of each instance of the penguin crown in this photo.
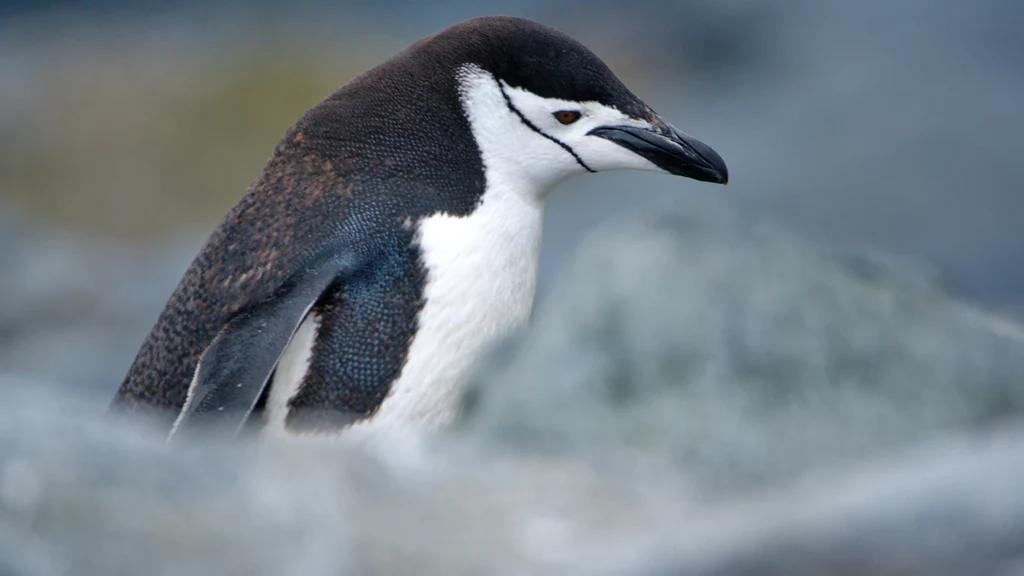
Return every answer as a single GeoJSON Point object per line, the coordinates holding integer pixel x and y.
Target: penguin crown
{"type": "Point", "coordinates": [543, 107]}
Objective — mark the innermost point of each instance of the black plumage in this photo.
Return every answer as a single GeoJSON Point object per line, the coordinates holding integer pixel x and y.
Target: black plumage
{"type": "Point", "coordinates": [325, 225]}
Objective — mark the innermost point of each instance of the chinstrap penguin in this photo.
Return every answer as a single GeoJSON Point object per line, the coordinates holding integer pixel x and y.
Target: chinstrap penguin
{"type": "Point", "coordinates": [392, 236]}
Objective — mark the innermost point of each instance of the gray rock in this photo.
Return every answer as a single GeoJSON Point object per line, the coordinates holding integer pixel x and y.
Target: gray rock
{"type": "Point", "coordinates": [74, 309]}
{"type": "Point", "coordinates": [743, 354]}
{"type": "Point", "coordinates": [953, 507]}
{"type": "Point", "coordinates": [85, 497]}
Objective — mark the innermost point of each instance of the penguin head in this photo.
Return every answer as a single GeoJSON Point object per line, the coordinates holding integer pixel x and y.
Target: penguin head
{"type": "Point", "coordinates": [543, 107]}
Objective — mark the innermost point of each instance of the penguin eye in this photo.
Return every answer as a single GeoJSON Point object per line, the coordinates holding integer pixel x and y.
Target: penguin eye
{"type": "Point", "coordinates": [567, 116]}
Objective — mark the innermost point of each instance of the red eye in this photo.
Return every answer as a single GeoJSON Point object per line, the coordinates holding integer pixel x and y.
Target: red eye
{"type": "Point", "coordinates": [567, 116]}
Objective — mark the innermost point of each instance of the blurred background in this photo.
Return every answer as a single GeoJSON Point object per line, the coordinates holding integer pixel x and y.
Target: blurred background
{"type": "Point", "coordinates": [128, 128]}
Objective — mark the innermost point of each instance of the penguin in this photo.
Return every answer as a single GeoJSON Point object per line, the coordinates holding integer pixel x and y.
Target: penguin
{"type": "Point", "coordinates": [392, 237]}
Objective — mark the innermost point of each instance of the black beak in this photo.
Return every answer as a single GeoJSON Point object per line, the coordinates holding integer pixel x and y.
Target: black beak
{"type": "Point", "coordinates": [670, 150]}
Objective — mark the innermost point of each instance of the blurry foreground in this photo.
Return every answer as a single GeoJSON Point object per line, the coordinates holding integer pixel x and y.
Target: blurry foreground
{"type": "Point", "coordinates": [728, 401]}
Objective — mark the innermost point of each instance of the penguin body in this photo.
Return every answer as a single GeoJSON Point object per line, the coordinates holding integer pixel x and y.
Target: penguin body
{"type": "Point", "coordinates": [392, 236]}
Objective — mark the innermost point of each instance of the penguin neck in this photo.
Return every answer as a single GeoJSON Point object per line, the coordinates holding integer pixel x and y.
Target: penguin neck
{"type": "Point", "coordinates": [481, 268]}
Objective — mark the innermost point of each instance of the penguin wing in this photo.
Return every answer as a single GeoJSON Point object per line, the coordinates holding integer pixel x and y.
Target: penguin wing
{"type": "Point", "coordinates": [362, 330]}
{"type": "Point", "coordinates": [236, 366]}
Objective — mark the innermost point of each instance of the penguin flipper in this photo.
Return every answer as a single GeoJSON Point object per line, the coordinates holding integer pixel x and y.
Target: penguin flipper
{"type": "Point", "coordinates": [235, 368]}
{"type": "Point", "coordinates": [364, 329]}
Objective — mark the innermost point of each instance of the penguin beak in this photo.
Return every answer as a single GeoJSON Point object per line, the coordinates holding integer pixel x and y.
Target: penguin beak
{"type": "Point", "coordinates": [669, 149]}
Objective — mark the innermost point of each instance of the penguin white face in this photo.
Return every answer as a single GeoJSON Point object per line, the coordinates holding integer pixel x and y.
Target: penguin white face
{"type": "Point", "coordinates": [545, 140]}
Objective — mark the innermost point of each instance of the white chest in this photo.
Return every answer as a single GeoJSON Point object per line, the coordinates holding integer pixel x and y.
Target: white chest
{"type": "Point", "coordinates": [481, 278]}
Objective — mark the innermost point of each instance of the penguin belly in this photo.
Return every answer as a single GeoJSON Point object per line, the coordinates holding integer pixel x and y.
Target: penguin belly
{"type": "Point", "coordinates": [481, 273]}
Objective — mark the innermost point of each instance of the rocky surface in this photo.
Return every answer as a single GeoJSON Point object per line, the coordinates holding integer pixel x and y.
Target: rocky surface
{"type": "Point", "coordinates": [74, 309]}
{"type": "Point", "coordinates": [700, 393]}
{"type": "Point", "coordinates": [746, 355]}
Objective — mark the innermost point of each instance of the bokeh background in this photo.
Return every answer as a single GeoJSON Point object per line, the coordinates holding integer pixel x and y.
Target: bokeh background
{"type": "Point", "coordinates": [128, 128]}
{"type": "Point", "coordinates": [717, 341]}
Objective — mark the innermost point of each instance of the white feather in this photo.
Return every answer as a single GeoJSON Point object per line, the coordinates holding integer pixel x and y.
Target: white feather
{"type": "Point", "coordinates": [289, 374]}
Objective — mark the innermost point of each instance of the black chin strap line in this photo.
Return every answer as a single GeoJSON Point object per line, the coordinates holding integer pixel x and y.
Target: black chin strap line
{"type": "Point", "coordinates": [529, 124]}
